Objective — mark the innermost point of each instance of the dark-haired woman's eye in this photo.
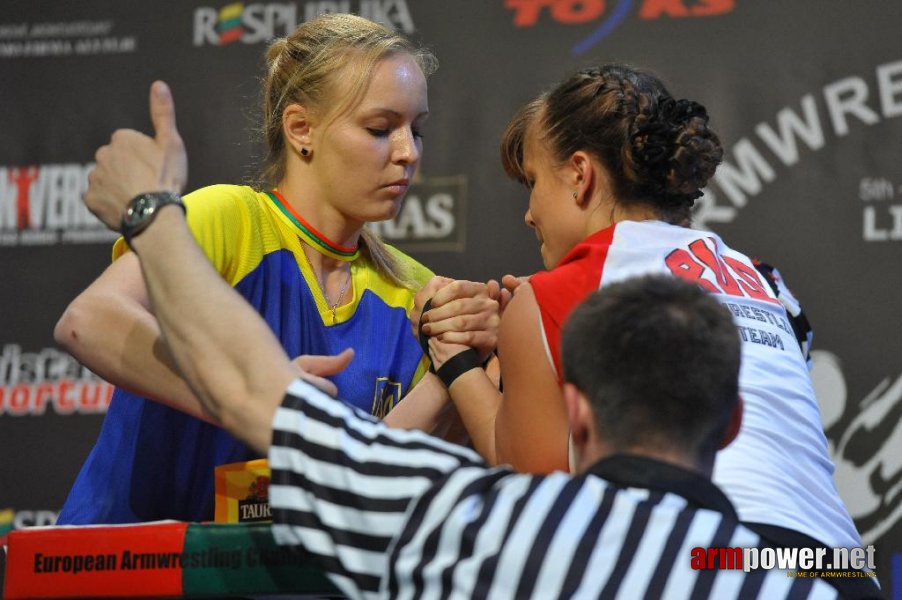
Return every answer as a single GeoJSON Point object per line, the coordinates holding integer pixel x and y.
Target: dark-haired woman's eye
{"type": "Point", "coordinates": [417, 133]}
{"type": "Point", "coordinates": [376, 132]}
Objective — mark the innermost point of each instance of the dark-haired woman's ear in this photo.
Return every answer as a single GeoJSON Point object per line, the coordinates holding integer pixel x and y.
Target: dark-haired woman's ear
{"type": "Point", "coordinates": [583, 175]}
{"type": "Point", "coordinates": [297, 127]}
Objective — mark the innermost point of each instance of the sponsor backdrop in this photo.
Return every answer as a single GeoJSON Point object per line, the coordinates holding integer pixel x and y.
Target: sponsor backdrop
{"type": "Point", "coordinates": [806, 95]}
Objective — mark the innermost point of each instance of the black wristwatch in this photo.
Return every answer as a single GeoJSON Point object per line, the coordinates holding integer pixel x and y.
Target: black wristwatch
{"type": "Point", "coordinates": [142, 210]}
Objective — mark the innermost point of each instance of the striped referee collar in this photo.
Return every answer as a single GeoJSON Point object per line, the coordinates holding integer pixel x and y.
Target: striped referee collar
{"type": "Point", "coordinates": [632, 470]}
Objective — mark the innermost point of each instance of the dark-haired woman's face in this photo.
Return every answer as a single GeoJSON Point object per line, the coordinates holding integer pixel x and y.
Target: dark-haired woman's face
{"type": "Point", "coordinates": [552, 212]}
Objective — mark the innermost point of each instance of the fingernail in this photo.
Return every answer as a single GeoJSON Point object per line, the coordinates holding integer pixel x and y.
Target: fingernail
{"type": "Point", "coordinates": [426, 328]}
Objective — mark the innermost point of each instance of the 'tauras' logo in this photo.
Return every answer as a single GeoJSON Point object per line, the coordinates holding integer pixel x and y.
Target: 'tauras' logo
{"type": "Point", "coordinates": [575, 12]}
{"type": "Point", "coordinates": [432, 219]}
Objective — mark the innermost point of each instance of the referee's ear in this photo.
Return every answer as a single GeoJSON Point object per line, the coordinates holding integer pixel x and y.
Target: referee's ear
{"type": "Point", "coordinates": [733, 425]}
{"type": "Point", "coordinates": [579, 416]}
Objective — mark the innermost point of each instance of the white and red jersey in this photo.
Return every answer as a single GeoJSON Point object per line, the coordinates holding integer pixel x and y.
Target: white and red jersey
{"type": "Point", "coordinates": [778, 470]}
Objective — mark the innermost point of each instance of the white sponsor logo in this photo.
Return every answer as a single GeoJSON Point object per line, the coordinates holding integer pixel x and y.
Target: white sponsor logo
{"type": "Point", "coordinates": [848, 102]}
{"type": "Point", "coordinates": [881, 218]}
{"type": "Point", "coordinates": [866, 450]}
{"type": "Point", "coordinates": [42, 205]}
{"type": "Point", "coordinates": [65, 38]}
{"type": "Point", "coordinates": [34, 518]}
{"type": "Point", "coordinates": [431, 217]}
{"type": "Point", "coordinates": [259, 22]}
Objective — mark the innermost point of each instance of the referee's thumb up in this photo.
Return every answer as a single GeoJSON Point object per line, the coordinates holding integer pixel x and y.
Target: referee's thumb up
{"type": "Point", "coordinates": [162, 111]}
{"type": "Point", "coordinates": [167, 138]}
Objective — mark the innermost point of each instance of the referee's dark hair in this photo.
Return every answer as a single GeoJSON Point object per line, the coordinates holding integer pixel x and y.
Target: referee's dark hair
{"type": "Point", "coordinates": [658, 359]}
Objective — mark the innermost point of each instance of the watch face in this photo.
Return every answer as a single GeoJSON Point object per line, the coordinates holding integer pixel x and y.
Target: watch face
{"type": "Point", "coordinates": [143, 208]}
{"type": "Point", "coordinates": [139, 210]}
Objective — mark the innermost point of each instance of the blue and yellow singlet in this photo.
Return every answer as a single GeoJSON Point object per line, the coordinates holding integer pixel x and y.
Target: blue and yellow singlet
{"type": "Point", "coordinates": [151, 462]}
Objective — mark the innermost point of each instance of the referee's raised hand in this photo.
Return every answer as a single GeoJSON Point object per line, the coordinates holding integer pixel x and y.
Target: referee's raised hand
{"type": "Point", "coordinates": [134, 163]}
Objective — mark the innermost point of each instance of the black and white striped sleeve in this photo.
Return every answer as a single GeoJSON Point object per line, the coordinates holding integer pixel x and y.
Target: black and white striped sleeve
{"type": "Point", "coordinates": [343, 481]}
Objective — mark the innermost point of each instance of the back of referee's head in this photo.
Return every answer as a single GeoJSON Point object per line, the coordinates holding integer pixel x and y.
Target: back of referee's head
{"type": "Point", "coordinates": [654, 363]}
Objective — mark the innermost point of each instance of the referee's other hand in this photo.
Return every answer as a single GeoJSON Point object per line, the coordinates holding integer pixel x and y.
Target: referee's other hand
{"type": "Point", "coordinates": [315, 368]}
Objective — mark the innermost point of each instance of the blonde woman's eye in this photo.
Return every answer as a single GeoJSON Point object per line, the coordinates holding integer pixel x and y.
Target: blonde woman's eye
{"type": "Point", "coordinates": [376, 132]}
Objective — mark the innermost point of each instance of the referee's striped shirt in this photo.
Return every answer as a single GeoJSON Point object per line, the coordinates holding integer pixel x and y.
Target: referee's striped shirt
{"type": "Point", "coordinates": [390, 513]}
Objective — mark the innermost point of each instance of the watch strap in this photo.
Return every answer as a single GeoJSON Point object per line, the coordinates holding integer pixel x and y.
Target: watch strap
{"type": "Point", "coordinates": [143, 209]}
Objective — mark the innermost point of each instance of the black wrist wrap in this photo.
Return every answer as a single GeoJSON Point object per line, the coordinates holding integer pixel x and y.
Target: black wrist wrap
{"type": "Point", "coordinates": [424, 339]}
{"type": "Point", "coordinates": [455, 366]}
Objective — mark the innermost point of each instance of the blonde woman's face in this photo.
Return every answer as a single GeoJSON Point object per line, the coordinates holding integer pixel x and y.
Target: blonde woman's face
{"type": "Point", "coordinates": [365, 158]}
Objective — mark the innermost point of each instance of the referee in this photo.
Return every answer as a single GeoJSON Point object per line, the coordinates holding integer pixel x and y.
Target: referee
{"type": "Point", "coordinates": [651, 367]}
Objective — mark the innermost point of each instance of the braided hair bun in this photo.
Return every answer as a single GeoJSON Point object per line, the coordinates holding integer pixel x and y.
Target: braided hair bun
{"type": "Point", "coordinates": [674, 151]}
{"type": "Point", "coordinates": [658, 151]}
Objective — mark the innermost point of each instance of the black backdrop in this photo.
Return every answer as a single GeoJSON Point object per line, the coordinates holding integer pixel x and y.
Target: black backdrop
{"type": "Point", "coordinates": [806, 95]}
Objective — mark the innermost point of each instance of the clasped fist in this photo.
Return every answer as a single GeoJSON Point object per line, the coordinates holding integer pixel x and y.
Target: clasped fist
{"type": "Point", "coordinates": [465, 313]}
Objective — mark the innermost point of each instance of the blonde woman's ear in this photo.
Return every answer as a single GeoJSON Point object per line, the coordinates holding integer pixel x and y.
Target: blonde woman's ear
{"type": "Point", "coordinates": [297, 128]}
